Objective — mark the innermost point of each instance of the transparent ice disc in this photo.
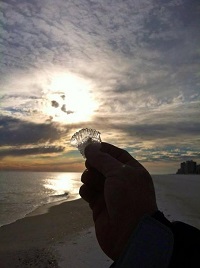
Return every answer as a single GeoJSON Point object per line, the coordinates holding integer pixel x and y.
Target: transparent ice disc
{"type": "Point", "coordinates": [84, 137]}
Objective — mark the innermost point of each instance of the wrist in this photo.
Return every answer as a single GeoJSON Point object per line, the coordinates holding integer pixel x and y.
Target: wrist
{"type": "Point", "coordinates": [126, 229]}
{"type": "Point", "coordinates": [159, 216]}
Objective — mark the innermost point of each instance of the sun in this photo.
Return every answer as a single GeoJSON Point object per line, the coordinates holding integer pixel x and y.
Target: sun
{"type": "Point", "coordinates": [69, 98]}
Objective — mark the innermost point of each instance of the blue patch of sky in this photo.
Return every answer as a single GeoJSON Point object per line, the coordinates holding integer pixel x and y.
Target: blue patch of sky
{"type": "Point", "coordinates": [15, 110]}
{"type": "Point", "coordinates": [74, 153]}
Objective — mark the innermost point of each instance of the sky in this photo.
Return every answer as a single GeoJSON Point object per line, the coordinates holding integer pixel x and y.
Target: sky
{"type": "Point", "coordinates": [129, 69]}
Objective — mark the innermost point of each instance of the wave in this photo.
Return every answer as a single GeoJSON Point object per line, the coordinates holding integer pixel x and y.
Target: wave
{"type": "Point", "coordinates": [59, 197]}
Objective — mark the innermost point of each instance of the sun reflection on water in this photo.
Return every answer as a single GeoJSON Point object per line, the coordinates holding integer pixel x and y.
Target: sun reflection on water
{"type": "Point", "coordinates": [63, 186]}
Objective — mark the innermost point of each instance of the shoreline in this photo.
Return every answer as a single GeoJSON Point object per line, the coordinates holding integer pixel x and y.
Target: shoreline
{"type": "Point", "coordinates": [26, 238]}
{"type": "Point", "coordinates": [44, 208]}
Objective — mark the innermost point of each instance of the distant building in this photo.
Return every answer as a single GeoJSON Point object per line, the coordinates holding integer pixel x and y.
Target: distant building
{"type": "Point", "coordinates": [189, 167]}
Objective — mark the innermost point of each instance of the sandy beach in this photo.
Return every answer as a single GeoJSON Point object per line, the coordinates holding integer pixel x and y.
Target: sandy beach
{"type": "Point", "coordinates": [34, 240]}
{"type": "Point", "coordinates": [178, 197]}
{"type": "Point", "coordinates": [63, 235]}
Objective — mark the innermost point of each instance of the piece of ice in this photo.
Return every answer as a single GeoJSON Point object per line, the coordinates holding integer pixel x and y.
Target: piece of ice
{"type": "Point", "coordinates": [84, 137]}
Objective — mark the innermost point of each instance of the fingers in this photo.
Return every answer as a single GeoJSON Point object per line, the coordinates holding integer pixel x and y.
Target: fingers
{"type": "Point", "coordinates": [93, 185]}
{"type": "Point", "coordinates": [121, 155]}
{"type": "Point", "coordinates": [87, 194]}
{"type": "Point", "coordinates": [96, 200]}
{"type": "Point", "coordinates": [102, 162]}
{"type": "Point", "coordinates": [108, 158]}
{"type": "Point", "coordinates": [93, 179]}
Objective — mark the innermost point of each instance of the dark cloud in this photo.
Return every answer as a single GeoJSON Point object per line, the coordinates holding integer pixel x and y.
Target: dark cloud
{"type": "Point", "coordinates": [31, 151]}
{"type": "Point", "coordinates": [18, 132]}
{"type": "Point", "coordinates": [17, 97]}
{"type": "Point", "coordinates": [54, 104]}
{"type": "Point", "coordinates": [168, 23]}
{"type": "Point", "coordinates": [177, 130]}
{"type": "Point", "coordinates": [63, 108]}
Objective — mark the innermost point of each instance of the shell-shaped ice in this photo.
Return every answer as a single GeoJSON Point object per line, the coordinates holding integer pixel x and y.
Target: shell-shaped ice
{"type": "Point", "coordinates": [84, 137]}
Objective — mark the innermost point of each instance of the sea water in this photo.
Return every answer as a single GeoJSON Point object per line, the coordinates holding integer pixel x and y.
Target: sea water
{"type": "Point", "coordinates": [23, 192]}
{"type": "Point", "coordinates": [178, 196]}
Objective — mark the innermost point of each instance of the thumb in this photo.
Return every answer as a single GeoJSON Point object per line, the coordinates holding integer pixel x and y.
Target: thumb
{"type": "Point", "coordinates": [103, 162]}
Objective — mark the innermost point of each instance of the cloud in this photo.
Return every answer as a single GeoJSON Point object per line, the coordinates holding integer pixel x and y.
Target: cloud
{"type": "Point", "coordinates": [139, 58]}
{"type": "Point", "coordinates": [18, 132]}
{"type": "Point", "coordinates": [160, 131]}
{"type": "Point", "coordinates": [140, 46]}
{"type": "Point", "coordinates": [63, 108]}
{"type": "Point", "coordinates": [31, 151]}
{"type": "Point", "coordinates": [54, 104]}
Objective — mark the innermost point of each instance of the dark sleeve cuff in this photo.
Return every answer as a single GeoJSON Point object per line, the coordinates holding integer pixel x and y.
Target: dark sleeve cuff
{"type": "Point", "coordinates": [151, 245]}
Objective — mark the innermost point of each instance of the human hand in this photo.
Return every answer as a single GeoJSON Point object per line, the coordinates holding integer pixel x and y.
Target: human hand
{"type": "Point", "coordinates": [119, 191]}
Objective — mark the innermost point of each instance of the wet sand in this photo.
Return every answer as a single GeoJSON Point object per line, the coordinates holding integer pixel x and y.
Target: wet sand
{"type": "Point", "coordinates": [29, 242]}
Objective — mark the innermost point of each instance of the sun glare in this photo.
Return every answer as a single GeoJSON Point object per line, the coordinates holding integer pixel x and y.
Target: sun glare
{"type": "Point", "coordinates": [69, 99]}
{"type": "Point", "coordinates": [64, 184]}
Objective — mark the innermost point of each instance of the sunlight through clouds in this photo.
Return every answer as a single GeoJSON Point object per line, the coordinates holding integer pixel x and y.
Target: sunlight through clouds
{"type": "Point", "coordinates": [129, 69]}
{"type": "Point", "coordinates": [69, 99]}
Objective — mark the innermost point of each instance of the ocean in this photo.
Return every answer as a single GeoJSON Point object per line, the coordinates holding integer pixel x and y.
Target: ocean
{"type": "Point", "coordinates": [23, 192]}
{"type": "Point", "coordinates": [178, 196]}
